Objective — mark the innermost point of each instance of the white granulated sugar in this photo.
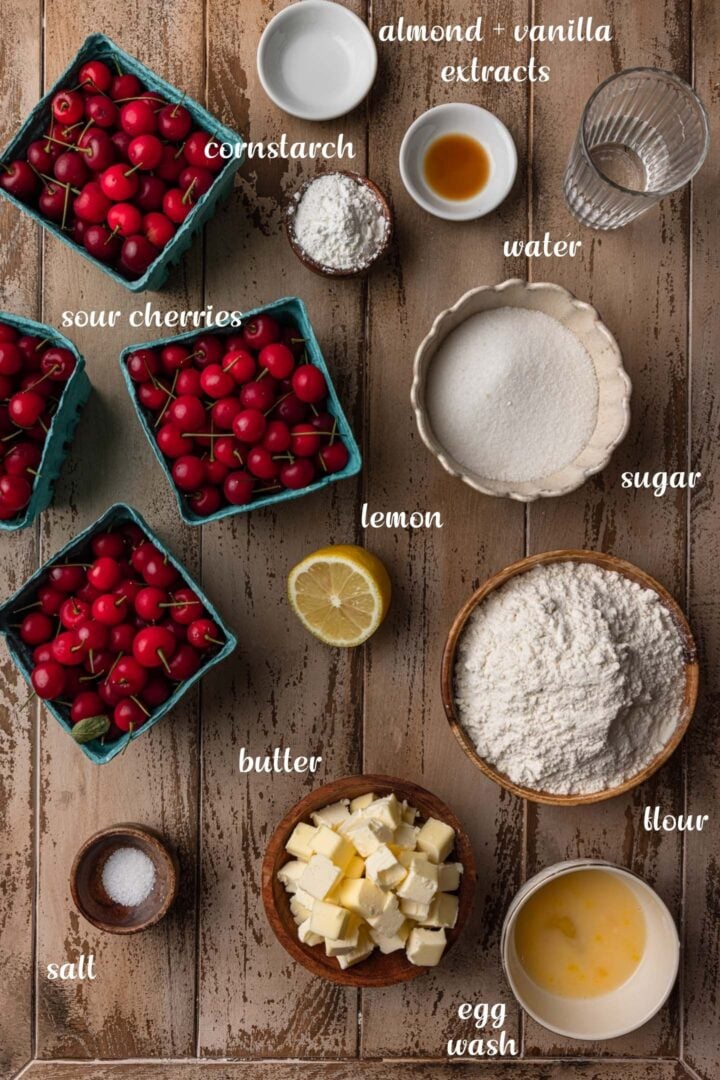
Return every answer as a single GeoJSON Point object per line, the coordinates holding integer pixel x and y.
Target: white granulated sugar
{"type": "Point", "coordinates": [339, 223]}
{"type": "Point", "coordinates": [570, 678]}
{"type": "Point", "coordinates": [512, 395]}
{"type": "Point", "coordinates": [128, 876]}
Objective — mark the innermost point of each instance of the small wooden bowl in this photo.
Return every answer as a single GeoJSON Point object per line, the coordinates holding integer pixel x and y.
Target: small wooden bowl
{"type": "Point", "coordinates": [88, 891]}
{"type": "Point", "coordinates": [377, 970]}
{"type": "Point", "coordinates": [606, 562]}
{"type": "Point", "coordinates": [318, 268]}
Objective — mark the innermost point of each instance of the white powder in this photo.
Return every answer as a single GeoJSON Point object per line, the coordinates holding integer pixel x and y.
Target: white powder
{"type": "Point", "coordinates": [339, 223]}
{"type": "Point", "coordinates": [128, 876]}
{"type": "Point", "coordinates": [512, 395]}
{"type": "Point", "coordinates": [570, 678]}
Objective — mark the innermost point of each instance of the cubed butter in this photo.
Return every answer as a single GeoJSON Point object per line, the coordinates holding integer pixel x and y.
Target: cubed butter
{"type": "Point", "coordinates": [425, 947]}
{"type": "Point", "coordinates": [383, 868]}
{"type": "Point", "coordinates": [420, 883]}
{"type": "Point", "coordinates": [406, 836]}
{"type": "Point", "coordinates": [413, 910]}
{"type": "Point", "coordinates": [361, 951]}
{"type": "Point", "coordinates": [303, 898]}
{"type": "Point", "coordinates": [349, 940]}
{"type": "Point", "coordinates": [393, 942]}
{"type": "Point", "coordinates": [443, 911]}
{"type": "Point", "coordinates": [386, 810]}
{"type": "Point", "coordinates": [407, 858]}
{"type": "Point", "coordinates": [356, 867]}
{"type": "Point", "coordinates": [409, 813]}
{"type": "Point", "coordinates": [306, 935]}
{"type": "Point", "coordinates": [362, 896]}
{"type": "Point", "coordinates": [333, 815]}
{"type": "Point", "coordinates": [319, 876]}
{"type": "Point", "coordinates": [361, 802]}
{"type": "Point", "coordinates": [337, 848]}
{"type": "Point", "coordinates": [436, 839]}
{"type": "Point", "coordinates": [300, 841]}
{"type": "Point", "coordinates": [368, 835]}
{"type": "Point", "coordinates": [390, 919]}
{"type": "Point", "coordinates": [449, 876]}
{"type": "Point", "coordinates": [300, 912]}
{"type": "Point", "coordinates": [328, 920]}
{"type": "Point", "coordinates": [290, 874]}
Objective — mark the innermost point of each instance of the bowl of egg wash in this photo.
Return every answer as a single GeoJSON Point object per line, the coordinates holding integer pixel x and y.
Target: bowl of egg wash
{"type": "Point", "coordinates": [458, 161]}
{"type": "Point", "coordinates": [590, 950]}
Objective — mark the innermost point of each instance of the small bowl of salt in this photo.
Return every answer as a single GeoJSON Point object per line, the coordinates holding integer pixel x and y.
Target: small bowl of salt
{"type": "Point", "coordinates": [339, 224]}
{"type": "Point", "coordinates": [124, 879]}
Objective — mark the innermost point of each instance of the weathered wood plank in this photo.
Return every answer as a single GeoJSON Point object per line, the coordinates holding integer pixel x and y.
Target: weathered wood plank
{"type": "Point", "coordinates": [702, 853]}
{"type": "Point", "coordinates": [143, 1000]}
{"type": "Point", "coordinates": [354, 1070]}
{"type": "Point", "coordinates": [637, 279]}
{"type": "Point", "coordinates": [433, 263]}
{"type": "Point", "coordinates": [283, 688]}
{"type": "Point", "coordinates": [20, 52]}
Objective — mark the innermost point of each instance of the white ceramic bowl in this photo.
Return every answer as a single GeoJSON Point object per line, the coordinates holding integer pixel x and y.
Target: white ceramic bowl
{"type": "Point", "coordinates": [462, 119]}
{"type": "Point", "coordinates": [621, 1010]}
{"type": "Point", "coordinates": [613, 417]}
{"type": "Point", "coordinates": [316, 60]}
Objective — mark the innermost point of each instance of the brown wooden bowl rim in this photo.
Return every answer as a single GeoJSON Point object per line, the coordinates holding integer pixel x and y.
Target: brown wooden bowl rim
{"type": "Point", "coordinates": [373, 971]}
{"type": "Point", "coordinates": [305, 259]}
{"type": "Point", "coordinates": [607, 562]}
{"type": "Point", "coordinates": [158, 845]}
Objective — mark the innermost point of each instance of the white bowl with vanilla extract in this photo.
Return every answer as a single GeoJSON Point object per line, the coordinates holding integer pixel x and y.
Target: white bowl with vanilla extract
{"type": "Point", "coordinates": [458, 161]}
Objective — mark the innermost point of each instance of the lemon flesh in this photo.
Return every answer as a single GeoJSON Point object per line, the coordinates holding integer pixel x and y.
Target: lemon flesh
{"type": "Point", "coordinates": [341, 594]}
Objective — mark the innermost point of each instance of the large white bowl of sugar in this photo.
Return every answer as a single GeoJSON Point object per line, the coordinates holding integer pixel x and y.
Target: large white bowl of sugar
{"type": "Point", "coordinates": [519, 389]}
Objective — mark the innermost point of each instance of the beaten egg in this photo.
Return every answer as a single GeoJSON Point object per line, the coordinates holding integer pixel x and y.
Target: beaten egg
{"type": "Point", "coordinates": [581, 935]}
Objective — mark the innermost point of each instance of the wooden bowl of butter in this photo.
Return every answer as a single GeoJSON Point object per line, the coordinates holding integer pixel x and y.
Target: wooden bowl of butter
{"type": "Point", "coordinates": [369, 881]}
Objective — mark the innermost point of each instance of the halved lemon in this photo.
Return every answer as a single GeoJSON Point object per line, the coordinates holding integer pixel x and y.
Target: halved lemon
{"type": "Point", "coordinates": [341, 594]}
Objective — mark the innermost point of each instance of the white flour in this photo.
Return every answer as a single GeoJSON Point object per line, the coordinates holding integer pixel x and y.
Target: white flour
{"type": "Point", "coordinates": [339, 223]}
{"type": "Point", "coordinates": [512, 395]}
{"type": "Point", "coordinates": [570, 678]}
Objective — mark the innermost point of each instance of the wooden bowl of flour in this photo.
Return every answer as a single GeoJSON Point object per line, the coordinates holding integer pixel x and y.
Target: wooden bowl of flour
{"type": "Point", "coordinates": [605, 562]}
{"type": "Point", "coordinates": [329, 271]}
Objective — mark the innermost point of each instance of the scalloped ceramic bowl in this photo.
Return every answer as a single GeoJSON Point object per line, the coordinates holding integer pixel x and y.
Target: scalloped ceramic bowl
{"type": "Point", "coordinates": [614, 388]}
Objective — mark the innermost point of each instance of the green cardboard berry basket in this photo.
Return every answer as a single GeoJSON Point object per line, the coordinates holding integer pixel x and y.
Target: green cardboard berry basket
{"type": "Point", "coordinates": [290, 309]}
{"type": "Point", "coordinates": [21, 654]}
{"type": "Point", "coordinates": [62, 428]}
{"type": "Point", "coordinates": [100, 47]}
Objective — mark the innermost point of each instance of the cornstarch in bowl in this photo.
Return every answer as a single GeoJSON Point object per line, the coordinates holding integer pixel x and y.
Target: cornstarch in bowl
{"type": "Point", "coordinates": [512, 395]}
{"type": "Point", "coordinates": [569, 678]}
{"type": "Point", "coordinates": [339, 223]}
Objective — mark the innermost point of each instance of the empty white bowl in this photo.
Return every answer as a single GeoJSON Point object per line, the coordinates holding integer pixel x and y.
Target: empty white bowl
{"type": "Point", "coordinates": [619, 1011]}
{"type": "Point", "coordinates": [316, 60]}
{"type": "Point", "coordinates": [459, 119]}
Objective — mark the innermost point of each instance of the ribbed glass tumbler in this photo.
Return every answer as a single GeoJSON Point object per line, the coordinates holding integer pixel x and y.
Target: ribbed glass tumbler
{"type": "Point", "coordinates": [643, 134]}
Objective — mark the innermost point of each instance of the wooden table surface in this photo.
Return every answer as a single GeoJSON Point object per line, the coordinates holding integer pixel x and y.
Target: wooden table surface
{"type": "Point", "coordinates": [211, 982]}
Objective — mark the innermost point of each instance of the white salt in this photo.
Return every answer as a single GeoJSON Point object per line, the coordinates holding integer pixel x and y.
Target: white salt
{"type": "Point", "coordinates": [512, 395]}
{"type": "Point", "coordinates": [128, 876]}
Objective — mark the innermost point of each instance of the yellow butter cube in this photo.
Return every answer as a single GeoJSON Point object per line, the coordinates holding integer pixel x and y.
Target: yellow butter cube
{"type": "Point", "coordinates": [362, 950]}
{"type": "Point", "coordinates": [449, 876]}
{"type": "Point", "coordinates": [328, 920]}
{"type": "Point", "coordinates": [436, 839]}
{"type": "Point", "coordinates": [356, 867]}
{"type": "Point", "coordinates": [425, 947]}
{"type": "Point", "coordinates": [443, 911]}
{"type": "Point", "coordinates": [361, 802]}
{"type": "Point", "coordinates": [335, 847]}
{"type": "Point", "coordinates": [361, 896]}
{"type": "Point", "coordinates": [333, 815]}
{"type": "Point", "coordinates": [290, 874]}
{"type": "Point", "coordinates": [306, 935]}
{"type": "Point", "coordinates": [393, 942]}
{"type": "Point", "coordinates": [319, 876]}
{"type": "Point", "coordinates": [300, 842]}
{"type": "Point", "coordinates": [420, 883]}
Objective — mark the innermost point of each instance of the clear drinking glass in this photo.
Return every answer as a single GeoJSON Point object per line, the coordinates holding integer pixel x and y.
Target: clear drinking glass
{"type": "Point", "coordinates": [643, 133]}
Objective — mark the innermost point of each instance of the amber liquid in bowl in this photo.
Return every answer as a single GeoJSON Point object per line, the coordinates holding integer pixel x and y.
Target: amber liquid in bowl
{"type": "Point", "coordinates": [456, 167]}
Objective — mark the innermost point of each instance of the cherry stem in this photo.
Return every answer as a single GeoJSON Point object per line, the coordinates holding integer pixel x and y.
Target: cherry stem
{"type": "Point", "coordinates": [118, 658]}
{"type": "Point", "coordinates": [177, 105]}
{"type": "Point", "coordinates": [161, 654]}
{"type": "Point", "coordinates": [278, 402]}
{"type": "Point", "coordinates": [168, 398]}
{"type": "Point", "coordinates": [139, 704]}
{"type": "Point", "coordinates": [213, 640]}
{"type": "Point", "coordinates": [121, 600]}
{"type": "Point", "coordinates": [27, 607]}
{"type": "Point", "coordinates": [188, 194]}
